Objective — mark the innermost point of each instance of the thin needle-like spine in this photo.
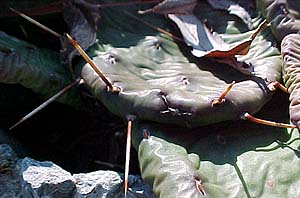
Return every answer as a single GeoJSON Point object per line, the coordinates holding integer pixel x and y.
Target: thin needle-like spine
{"type": "Point", "coordinates": [130, 119]}
{"type": "Point", "coordinates": [273, 85]}
{"type": "Point", "coordinates": [247, 116]}
{"type": "Point", "coordinates": [77, 47]}
{"type": "Point", "coordinates": [92, 64]}
{"type": "Point", "coordinates": [37, 23]}
{"type": "Point", "coordinates": [154, 27]}
{"type": "Point", "coordinates": [199, 185]}
{"type": "Point", "coordinates": [221, 98]}
{"type": "Point", "coordinates": [47, 102]}
{"type": "Point", "coordinates": [128, 146]}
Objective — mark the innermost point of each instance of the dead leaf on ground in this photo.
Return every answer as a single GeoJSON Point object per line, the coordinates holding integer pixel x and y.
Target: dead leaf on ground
{"type": "Point", "coordinates": [207, 44]}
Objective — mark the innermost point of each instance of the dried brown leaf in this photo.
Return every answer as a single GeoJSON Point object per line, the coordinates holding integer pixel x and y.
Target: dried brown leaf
{"type": "Point", "coordinates": [207, 44]}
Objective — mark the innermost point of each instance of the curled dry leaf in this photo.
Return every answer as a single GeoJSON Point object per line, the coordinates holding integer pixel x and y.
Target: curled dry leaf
{"type": "Point", "coordinates": [173, 6]}
{"type": "Point", "coordinates": [290, 51]}
{"type": "Point", "coordinates": [207, 44]}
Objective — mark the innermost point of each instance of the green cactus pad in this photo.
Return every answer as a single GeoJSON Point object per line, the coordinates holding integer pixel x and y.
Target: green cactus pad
{"type": "Point", "coordinates": [238, 159]}
{"type": "Point", "coordinates": [284, 16]}
{"type": "Point", "coordinates": [37, 69]}
{"type": "Point", "coordinates": [161, 81]}
{"type": "Point", "coordinates": [290, 50]}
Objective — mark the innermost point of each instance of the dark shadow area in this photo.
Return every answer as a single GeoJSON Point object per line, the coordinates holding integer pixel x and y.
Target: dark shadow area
{"type": "Point", "coordinates": [118, 34]}
{"type": "Point", "coordinates": [24, 30]}
{"type": "Point", "coordinates": [78, 141]}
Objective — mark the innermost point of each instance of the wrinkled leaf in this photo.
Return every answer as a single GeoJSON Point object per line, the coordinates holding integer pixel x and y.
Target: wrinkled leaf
{"type": "Point", "coordinates": [290, 50]}
{"type": "Point", "coordinates": [284, 16]}
{"type": "Point", "coordinates": [160, 81]}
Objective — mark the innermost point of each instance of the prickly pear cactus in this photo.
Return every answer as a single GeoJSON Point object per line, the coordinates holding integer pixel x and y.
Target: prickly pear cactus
{"type": "Point", "coordinates": [284, 16]}
{"type": "Point", "coordinates": [234, 159]}
{"type": "Point", "coordinates": [290, 48]}
{"type": "Point", "coordinates": [37, 69]}
{"type": "Point", "coordinates": [161, 81]}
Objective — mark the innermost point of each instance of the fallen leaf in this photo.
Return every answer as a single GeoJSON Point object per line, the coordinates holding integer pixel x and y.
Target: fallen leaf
{"type": "Point", "coordinates": [207, 44]}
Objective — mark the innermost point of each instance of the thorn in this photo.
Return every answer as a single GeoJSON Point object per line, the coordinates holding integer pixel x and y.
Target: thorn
{"type": "Point", "coordinates": [77, 47]}
{"type": "Point", "coordinates": [199, 185]}
{"type": "Point", "coordinates": [37, 23]}
{"type": "Point", "coordinates": [130, 118]}
{"type": "Point", "coordinates": [221, 98]}
{"type": "Point", "coordinates": [93, 65]}
{"type": "Point", "coordinates": [154, 27]}
{"type": "Point", "coordinates": [47, 102]}
{"type": "Point", "coordinates": [273, 85]}
{"type": "Point", "coordinates": [247, 116]}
